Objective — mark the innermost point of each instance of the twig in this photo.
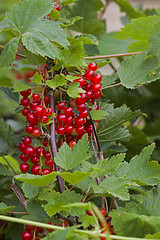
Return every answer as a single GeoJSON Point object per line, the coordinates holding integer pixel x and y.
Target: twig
{"type": "Point", "coordinates": [18, 194]}
{"type": "Point", "coordinates": [114, 85]}
{"type": "Point", "coordinates": [17, 54]}
{"type": "Point", "coordinates": [9, 165]}
{"type": "Point", "coordinates": [103, 10]}
{"type": "Point", "coordinates": [53, 141]}
{"type": "Point", "coordinates": [18, 212]}
{"type": "Point", "coordinates": [111, 56]}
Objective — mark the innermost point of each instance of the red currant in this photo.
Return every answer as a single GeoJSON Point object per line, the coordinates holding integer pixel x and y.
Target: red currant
{"type": "Point", "coordinates": [25, 102]}
{"type": "Point", "coordinates": [96, 87]}
{"type": "Point", "coordinates": [45, 171]}
{"type": "Point", "coordinates": [69, 120]}
{"type": "Point", "coordinates": [24, 167]}
{"type": "Point", "coordinates": [24, 157]}
{"type": "Point", "coordinates": [26, 235]}
{"type": "Point", "coordinates": [103, 211]}
{"type": "Point", "coordinates": [27, 141]}
{"type": "Point", "coordinates": [88, 213]}
{"type": "Point", "coordinates": [89, 94]}
{"type": "Point", "coordinates": [25, 111]}
{"type": "Point", "coordinates": [82, 98]}
{"type": "Point", "coordinates": [88, 86]}
{"type": "Point", "coordinates": [60, 130]}
{"type": "Point", "coordinates": [69, 128]}
{"type": "Point", "coordinates": [45, 143]}
{"type": "Point", "coordinates": [35, 169]}
{"type": "Point", "coordinates": [36, 132]}
{"type": "Point", "coordinates": [35, 159]}
{"type": "Point", "coordinates": [57, 7]}
{"type": "Point", "coordinates": [80, 129]}
{"type": "Point", "coordinates": [48, 111]}
{"type": "Point", "coordinates": [29, 228]}
{"type": "Point", "coordinates": [40, 151]}
{"type": "Point", "coordinates": [29, 128]}
{"type": "Point", "coordinates": [68, 111]}
{"type": "Point", "coordinates": [97, 78]}
{"type": "Point", "coordinates": [32, 119]}
{"type": "Point", "coordinates": [22, 147]}
{"type": "Point", "coordinates": [81, 107]}
{"type": "Point", "coordinates": [26, 93]}
{"type": "Point", "coordinates": [71, 144]}
{"type": "Point", "coordinates": [47, 155]}
{"type": "Point", "coordinates": [92, 66]}
{"type": "Point", "coordinates": [38, 111]}
{"type": "Point", "coordinates": [81, 81]}
{"type": "Point", "coordinates": [79, 121]}
{"type": "Point", "coordinates": [61, 118]}
{"type": "Point", "coordinates": [35, 96]}
{"type": "Point", "coordinates": [61, 105]}
{"type": "Point", "coordinates": [83, 114]}
{"type": "Point", "coordinates": [46, 99]}
{"type": "Point", "coordinates": [97, 95]}
{"type": "Point", "coordinates": [30, 151]}
{"type": "Point", "coordinates": [33, 105]}
{"type": "Point", "coordinates": [49, 162]}
{"type": "Point", "coordinates": [89, 74]}
{"type": "Point", "coordinates": [44, 119]}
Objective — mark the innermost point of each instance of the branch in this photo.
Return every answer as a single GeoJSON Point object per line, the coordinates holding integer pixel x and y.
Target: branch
{"type": "Point", "coordinates": [111, 56]}
{"type": "Point", "coordinates": [53, 140]}
{"type": "Point", "coordinates": [114, 85]}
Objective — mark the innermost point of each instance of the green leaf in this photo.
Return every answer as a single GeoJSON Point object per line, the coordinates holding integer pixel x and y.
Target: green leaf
{"type": "Point", "coordinates": [89, 24]}
{"type": "Point", "coordinates": [59, 80]}
{"type": "Point", "coordinates": [68, 1]}
{"type": "Point", "coordinates": [6, 133]}
{"type": "Point", "coordinates": [68, 158]}
{"type": "Point", "coordinates": [72, 78]}
{"type": "Point", "coordinates": [4, 171]}
{"type": "Point", "coordinates": [37, 180]}
{"type": "Point", "coordinates": [13, 162]}
{"type": "Point", "coordinates": [6, 78]}
{"type": "Point", "coordinates": [108, 44]}
{"type": "Point", "coordinates": [35, 211]}
{"type": "Point", "coordinates": [5, 209]}
{"type": "Point", "coordinates": [140, 169]}
{"type": "Point", "coordinates": [109, 80]}
{"type": "Point", "coordinates": [3, 26]}
{"type": "Point", "coordinates": [9, 52]}
{"type": "Point", "coordinates": [154, 236]}
{"type": "Point", "coordinates": [19, 86]}
{"type": "Point", "coordinates": [110, 128]}
{"type": "Point", "coordinates": [154, 40]}
{"type": "Point", "coordinates": [75, 177]}
{"type": "Point", "coordinates": [138, 69]}
{"type": "Point", "coordinates": [26, 13]}
{"type": "Point", "coordinates": [9, 94]}
{"type": "Point", "coordinates": [98, 114]}
{"type": "Point", "coordinates": [30, 191]}
{"type": "Point", "coordinates": [87, 39]}
{"type": "Point", "coordinates": [116, 187]}
{"type": "Point", "coordinates": [59, 234]}
{"type": "Point", "coordinates": [87, 221]}
{"type": "Point", "coordinates": [140, 31]}
{"type": "Point", "coordinates": [37, 78]}
{"type": "Point", "coordinates": [97, 4]}
{"type": "Point", "coordinates": [131, 11]}
{"type": "Point", "coordinates": [74, 55]}
{"type": "Point", "coordinates": [55, 14]}
{"type": "Point", "coordinates": [74, 90]}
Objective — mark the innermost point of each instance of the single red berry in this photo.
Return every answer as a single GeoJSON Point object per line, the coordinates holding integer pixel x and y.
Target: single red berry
{"type": "Point", "coordinates": [89, 94]}
{"type": "Point", "coordinates": [72, 143]}
{"type": "Point", "coordinates": [27, 141]}
{"type": "Point", "coordinates": [29, 128]}
{"type": "Point", "coordinates": [33, 105]}
{"type": "Point", "coordinates": [32, 119]}
{"type": "Point", "coordinates": [69, 128]}
{"type": "Point", "coordinates": [26, 93]}
{"type": "Point", "coordinates": [96, 87]}
{"type": "Point", "coordinates": [79, 121]}
{"type": "Point", "coordinates": [89, 129]}
{"type": "Point", "coordinates": [26, 235]}
{"type": "Point", "coordinates": [81, 81]}
{"type": "Point", "coordinates": [69, 120]}
{"type": "Point", "coordinates": [103, 211]}
{"type": "Point", "coordinates": [57, 7]}
{"type": "Point", "coordinates": [44, 119]}
{"type": "Point", "coordinates": [45, 143]}
{"type": "Point", "coordinates": [81, 107]}
{"type": "Point", "coordinates": [24, 167]}
{"type": "Point", "coordinates": [97, 95]}
{"type": "Point", "coordinates": [83, 114]}
{"type": "Point", "coordinates": [96, 107]}
{"type": "Point", "coordinates": [61, 118]}
{"type": "Point", "coordinates": [68, 111]}
{"type": "Point", "coordinates": [80, 129]}
{"type": "Point", "coordinates": [69, 138]}
{"type": "Point", "coordinates": [22, 147]}
{"type": "Point", "coordinates": [92, 66]}
{"type": "Point", "coordinates": [48, 111]}
{"type": "Point", "coordinates": [88, 86]}
{"type": "Point", "coordinates": [82, 98]}
{"type": "Point", "coordinates": [49, 162]}
{"type": "Point", "coordinates": [40, 151]}
{"type": "Point", "coordinates": [35, 159]}
{"type": "Point", "coordinates": [25, 102]}
{"type": "Point", "coordinates": [47, 155]}
{"type": "Point", "coordinates": [60, 130]}
{"type": "Point", "coordinates": [35, 96]}
{"type": "Point", "coordinates": [36, 132]}
{"type": "Point", "coordinates": [35, 169]}
{"type": "Point", "coordinates": [45, 171]}
{"type": "Point", "coordinates": [38, 111]}
{"type": "Point", "coordinates": [30, 151]}
{"type": "Point", "coordinates": [97, 78]}
{"type": "Point", "coordinates": [25, 111]}
{"type": "Point", "coordinates": [89, 75]}
{"type": "Point", "coordinates": [61, 105]}
{"type": "Point", "coordinates": [88, 213]}
{"type": "Point", "coordinates": [24, 157]}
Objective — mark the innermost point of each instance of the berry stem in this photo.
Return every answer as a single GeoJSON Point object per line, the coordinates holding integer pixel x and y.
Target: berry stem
{"type": "Point", "coordinates": [18, 194]}
{"type": "Point", "coordinates": [111, 56]}
{"type": "Point", "coordinates": [53, 140]}
{"type": "Point", "coordinates": [114, 85]}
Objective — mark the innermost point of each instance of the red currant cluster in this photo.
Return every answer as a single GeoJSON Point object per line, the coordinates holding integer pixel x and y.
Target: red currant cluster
{"type": "Point", "coordinates": [108, 222]}
{"type": "Point", "coordinates": [32, 232]}
{"type": "Point", "coordinates": [72, 121]}
{"type": "Point", "coordinates": [36, 115]}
